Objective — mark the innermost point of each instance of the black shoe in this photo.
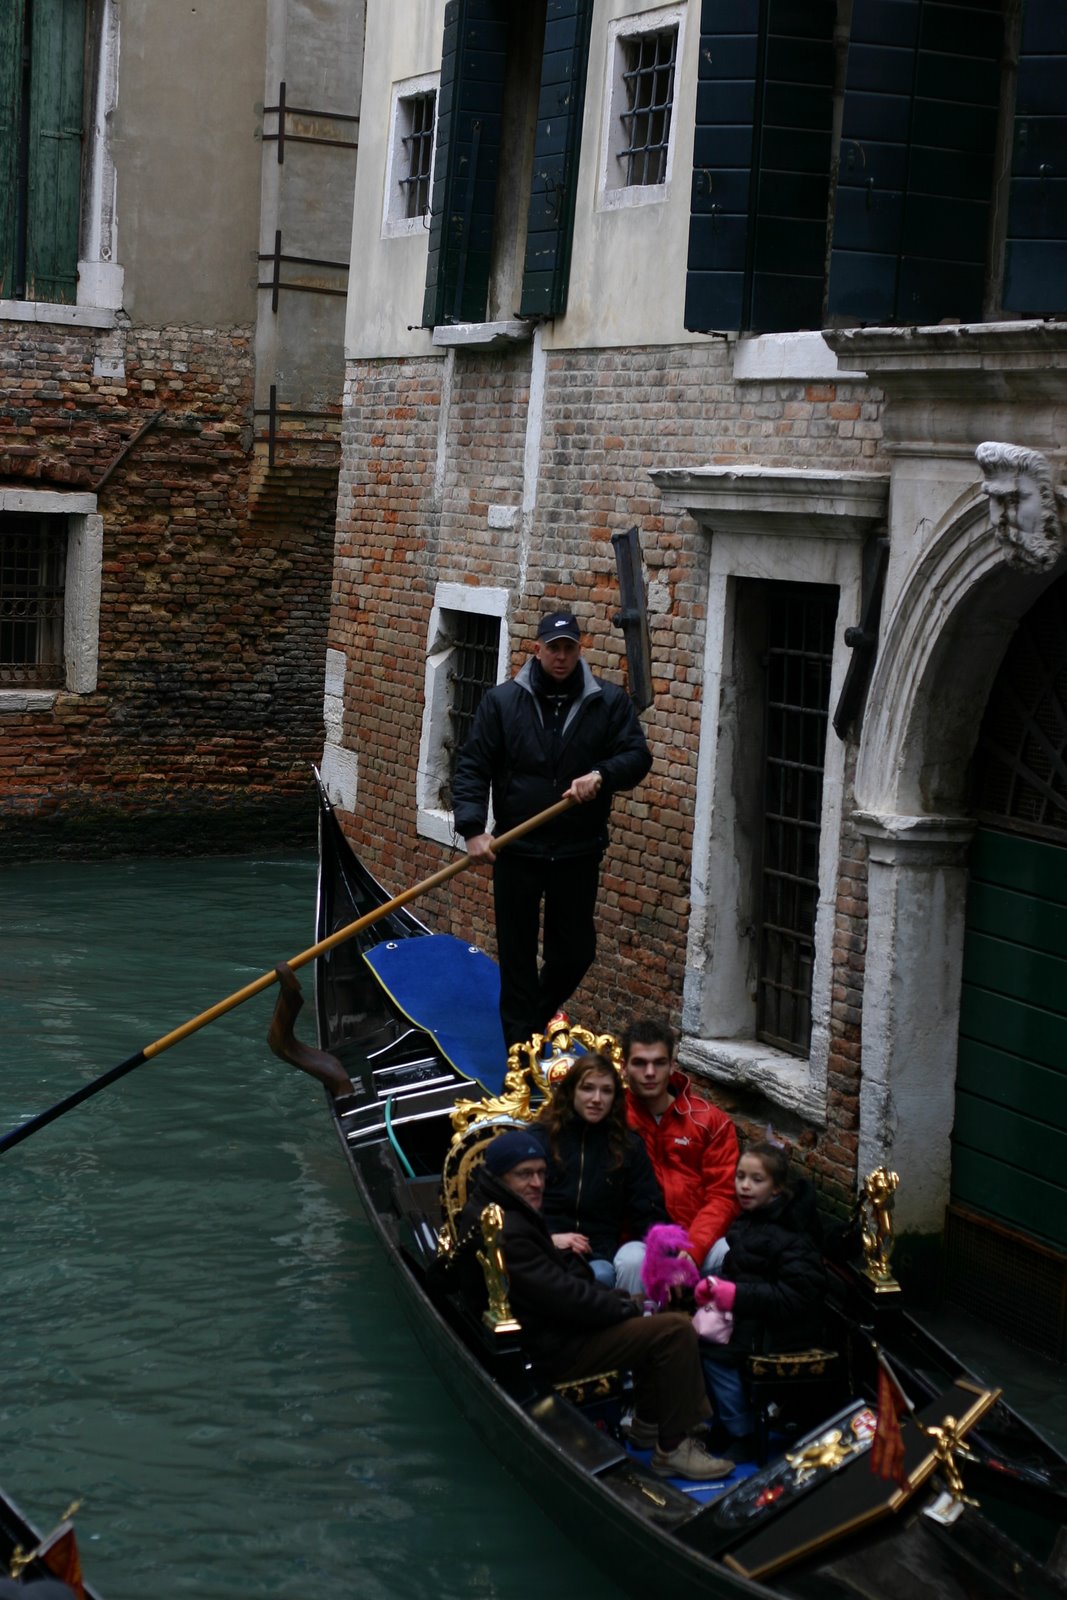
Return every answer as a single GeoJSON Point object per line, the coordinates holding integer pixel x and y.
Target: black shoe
{"type": "Point", "coordinates": [740, 1448]}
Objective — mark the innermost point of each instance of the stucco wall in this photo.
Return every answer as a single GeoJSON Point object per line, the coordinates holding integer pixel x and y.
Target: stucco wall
{"type": "Point", "coordinates": [187, 160]}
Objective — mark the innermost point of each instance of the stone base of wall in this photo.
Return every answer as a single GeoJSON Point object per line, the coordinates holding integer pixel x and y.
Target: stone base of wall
{"type": "Point", "coordinates": [98, 833]}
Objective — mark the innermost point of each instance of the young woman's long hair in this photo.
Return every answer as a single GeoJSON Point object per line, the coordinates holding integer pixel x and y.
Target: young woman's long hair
{"type": "Point", "coordinates": [558, 1112]}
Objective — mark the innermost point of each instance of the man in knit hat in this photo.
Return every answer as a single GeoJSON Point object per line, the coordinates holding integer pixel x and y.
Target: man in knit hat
{"type": "Point", "coordinates": [573, 1326]}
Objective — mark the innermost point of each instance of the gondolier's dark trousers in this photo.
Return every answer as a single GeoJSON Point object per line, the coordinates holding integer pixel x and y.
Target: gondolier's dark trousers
{"type": "Point", "coordinates": [664, 1355]}
{"type": "Point", "coordinates": [567, 887]}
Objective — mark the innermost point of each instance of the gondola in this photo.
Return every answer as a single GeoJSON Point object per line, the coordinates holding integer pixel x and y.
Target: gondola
{"type": "Point", "coordinates": [53, 1556]}
{"type": "Point", "coordinates": [410, 1017]}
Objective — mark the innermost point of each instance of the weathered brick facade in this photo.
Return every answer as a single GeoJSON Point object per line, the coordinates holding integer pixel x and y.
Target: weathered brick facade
{"type": "Point", "coordinates": [416, 488]}
{"type": "Point", "coordinates": [207, 711]}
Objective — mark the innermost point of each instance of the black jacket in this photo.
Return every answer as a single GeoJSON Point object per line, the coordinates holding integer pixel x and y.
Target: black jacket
{"type": "Point", "coordinates": [584, 1193]}
{"type": "Point", "coordinates": [511, 753]}
{"type": "Point", "coordinates": [553, 1293]}
{"type": "Point", "coordinates": [776, 1262]}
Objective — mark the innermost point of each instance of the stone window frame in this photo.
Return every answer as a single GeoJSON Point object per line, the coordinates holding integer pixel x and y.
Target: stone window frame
{"type": "Point", "coordinates": [432, 821]}
{"type": "Point", "coordinates": [613, 193]}
{"type": "Point", "coordinates": [81, 592]}
{"type": "Point", "coordinates": [782, 525]}
{"type": "Point", "coordinates": [395, 224]}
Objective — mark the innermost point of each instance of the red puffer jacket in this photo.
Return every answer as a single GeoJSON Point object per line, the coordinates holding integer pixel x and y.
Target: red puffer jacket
{"type": "Point", "coordinates": [694, 1151]}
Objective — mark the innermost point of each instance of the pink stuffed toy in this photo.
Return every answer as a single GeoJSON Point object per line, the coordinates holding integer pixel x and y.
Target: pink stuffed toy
{"type": "Point", "coordinates": [667, 1265]}
{"type": "Point", "coordinates": [714, 1319]}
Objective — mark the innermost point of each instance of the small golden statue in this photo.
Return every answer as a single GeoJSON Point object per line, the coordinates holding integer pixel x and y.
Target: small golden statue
{"type": "Point", "coordinates": [948, 1445]}
{"type": "Point", "coordinates": [824, 1453]}
{"type": "Point", "coordinates": [876, 1210]}
{"type": "Point", "coordinates": [497, 1315]}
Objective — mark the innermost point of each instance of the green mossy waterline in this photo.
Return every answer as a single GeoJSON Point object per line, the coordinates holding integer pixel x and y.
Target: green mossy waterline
{"type": "Point", "coordinates": [100, 833]}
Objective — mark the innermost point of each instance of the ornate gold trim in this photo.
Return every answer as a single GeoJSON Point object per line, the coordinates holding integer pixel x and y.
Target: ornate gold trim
{"type": "Point", "coordinates": [497, 1314]}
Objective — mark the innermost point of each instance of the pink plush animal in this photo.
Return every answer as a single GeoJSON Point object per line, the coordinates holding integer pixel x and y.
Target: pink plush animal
{"type": "Point", "coordinates": [666, 1264]}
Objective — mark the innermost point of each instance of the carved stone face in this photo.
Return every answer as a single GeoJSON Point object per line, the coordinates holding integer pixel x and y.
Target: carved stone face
{"type": "Point", "coordinates": [1016, 509]}
{"type": "Point", "coordinates": [1023, 513]}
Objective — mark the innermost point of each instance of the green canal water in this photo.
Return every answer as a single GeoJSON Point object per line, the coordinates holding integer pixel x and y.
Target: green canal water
{"type": "Point", "coordinates": [196, 1332]}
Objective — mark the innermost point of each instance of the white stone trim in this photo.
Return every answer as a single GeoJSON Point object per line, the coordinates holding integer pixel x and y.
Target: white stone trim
{"type": "Point", "coordinates": [790, 526]}
{"type": "Point", "coordinates": [432, 821]}
{"type": "Point", "coordinates": [777, 357]}
{"type": "Point", "coordinates": [612, 195]}
{"type": "Point", "coordinates": [81, 591]}
{"type": "Point", "coordinates": [486, 335]}
{"type": "Point", "coordinates": [57, 315]}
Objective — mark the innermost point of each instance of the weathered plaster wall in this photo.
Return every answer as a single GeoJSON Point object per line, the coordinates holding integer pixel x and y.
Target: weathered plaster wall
{"type": "Point", "coordinates": [187, 160]}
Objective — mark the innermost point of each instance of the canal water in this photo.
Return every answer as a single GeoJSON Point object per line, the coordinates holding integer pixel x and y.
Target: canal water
{"type": "Point", "coordinates": [196, 1333]}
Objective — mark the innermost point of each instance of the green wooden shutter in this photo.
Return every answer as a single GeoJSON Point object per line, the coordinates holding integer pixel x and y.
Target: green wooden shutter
{"type": "Point", "coordinates": [470, 112]}
{"type": "Point", "coordinates": [761, 165]}
{"type": "Point", "coordinates": [11, 26]}
{"type": "Point", "coordinates": [557, 147]}
{"type": "Point", "coordinates": [1035, 262]}
{"type": "Point", "coordinates": [55, 145]}
{"type": "Point", "coordinates": [915, 183]}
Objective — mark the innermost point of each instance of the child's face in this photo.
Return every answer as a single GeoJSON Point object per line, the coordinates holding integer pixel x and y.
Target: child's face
{"type": "Point", "coordinates": [754, 1186]}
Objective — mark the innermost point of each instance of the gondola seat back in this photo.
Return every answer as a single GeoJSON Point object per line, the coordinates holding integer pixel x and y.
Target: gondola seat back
{"type": "Point", "coordinates": [465, 1156]}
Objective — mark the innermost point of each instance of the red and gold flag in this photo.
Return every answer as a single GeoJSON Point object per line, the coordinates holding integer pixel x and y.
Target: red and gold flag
{"type": "Point", "coordinates": [887, 1446]}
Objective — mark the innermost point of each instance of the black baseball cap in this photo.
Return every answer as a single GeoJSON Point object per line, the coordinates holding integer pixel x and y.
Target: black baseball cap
{"type": "Point", "coordinates": [559, 625]}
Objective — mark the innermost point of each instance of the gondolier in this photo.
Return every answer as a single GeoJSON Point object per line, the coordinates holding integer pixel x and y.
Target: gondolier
{"type": "Point", "coordinates": [552, 731]}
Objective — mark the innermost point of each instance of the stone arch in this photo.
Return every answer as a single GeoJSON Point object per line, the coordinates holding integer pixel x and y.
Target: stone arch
{"type": "Point", "coordinates": [956, 614]}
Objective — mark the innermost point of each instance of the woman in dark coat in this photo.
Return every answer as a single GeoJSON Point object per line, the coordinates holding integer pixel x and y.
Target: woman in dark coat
{"type": "Point", "coordinates": [773, 1281]}
{"type": "Point", "coordinates": [601, 1187]}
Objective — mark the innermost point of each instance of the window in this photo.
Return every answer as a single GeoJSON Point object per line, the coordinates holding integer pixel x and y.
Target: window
{"type": "Point", "coordinates": [50, 559]}
{"type": "Point", "coordinates": [42, 47]}
{"type": "Point", "coordinates": [32, 556]}
{"type": "Point", "coordinates": [648, 82]}
{"type": "Point", "coordinates": [410, 174]}
{"type": "Point", "coordinates": [506, 167]}
{"type": "Point", "coordinates": [799, 656]}
{"type": "Point", "coordinates": [467, 654]}
{"type": "Point", "coordinates": [639, 106]}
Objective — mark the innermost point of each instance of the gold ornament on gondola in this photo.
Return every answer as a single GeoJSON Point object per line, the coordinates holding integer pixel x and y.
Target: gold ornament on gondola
{"type": "Point", "coordinates": [497, 1314]}
{"type": "Point", "coordinates": [875, 1207]}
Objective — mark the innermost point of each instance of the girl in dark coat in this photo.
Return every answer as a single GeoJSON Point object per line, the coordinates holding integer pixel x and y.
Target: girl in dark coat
{"type": "Point", "coordinates": [601, 1187]}
{"type": "Point", "coordinates": [773, 1280]}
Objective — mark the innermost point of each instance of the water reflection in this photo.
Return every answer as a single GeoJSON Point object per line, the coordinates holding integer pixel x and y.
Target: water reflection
{"type": "Point", "coordinates": [198, 1334]}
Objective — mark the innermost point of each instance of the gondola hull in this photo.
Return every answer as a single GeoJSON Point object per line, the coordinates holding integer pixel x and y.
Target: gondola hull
{"type": "Point", "coordinates": [650, 1535]}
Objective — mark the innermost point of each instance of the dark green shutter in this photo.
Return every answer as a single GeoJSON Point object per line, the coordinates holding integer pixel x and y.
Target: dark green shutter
{"type": "Point", "coordinates": [55, 149]}
{"type": "Point", "coordinates": [761, 165]}
{"type": "Point", "coordinates": [1035, 263]}
{"type": "Point", "coordinates": [11, 24]}
{"type": "Point", "coordinates": [915, 182]}
{"type": "Point", "coordinates": [470, 109]}
{"type": "Point", "coordinates": [557, 147]}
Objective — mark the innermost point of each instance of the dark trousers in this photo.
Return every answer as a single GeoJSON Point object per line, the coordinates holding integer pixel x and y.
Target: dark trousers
{"type": "Point", "coordinates": [664, 1354]}
{"type": "Point", "coordinates": [567, 889]}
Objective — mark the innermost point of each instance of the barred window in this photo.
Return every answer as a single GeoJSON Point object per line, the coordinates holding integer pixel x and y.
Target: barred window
{"type": "Point", "coordinates": [800, 640]}
{"type": "Point", "coordinates": [33, 553]}
{"type": "Point", "coordinates": [648, 82]}
{"type": "Point", "coordinates": [417, 144]}
{"type": "Point", "coordinates": [472, 670]}
{"type": "Point", "coordinates": [409, 175]}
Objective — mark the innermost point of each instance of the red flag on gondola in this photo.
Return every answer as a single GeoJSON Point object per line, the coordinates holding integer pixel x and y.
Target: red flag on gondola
{"type": "Point", "coordinates": [61, 1556]}
{"type": "Point", "coordinates": [887, 1447]}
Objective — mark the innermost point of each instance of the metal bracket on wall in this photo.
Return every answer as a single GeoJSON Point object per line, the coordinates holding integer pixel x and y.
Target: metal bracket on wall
{"type": "Point", "coordinates": [134, 439]}
{"type": "Point", "coordinates": [272, 414]}
{"type": "Point", "coordinates": [283, 136]}
{"type": "Point", "coordinates": [276, 285]}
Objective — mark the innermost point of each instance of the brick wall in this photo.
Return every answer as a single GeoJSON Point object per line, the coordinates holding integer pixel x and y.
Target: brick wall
{"type": "Point", "coordinates": [411, 514]}
{"type": "Point", "coordinates": [213, 612]}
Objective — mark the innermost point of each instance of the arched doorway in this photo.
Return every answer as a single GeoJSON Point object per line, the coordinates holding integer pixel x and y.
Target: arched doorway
{"type": "Point", "coordinates": [1006, 1232]}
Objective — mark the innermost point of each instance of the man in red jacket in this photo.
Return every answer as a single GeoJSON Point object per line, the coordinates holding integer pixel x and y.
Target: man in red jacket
{"type": "Point", "coordinates": [691, 1143]}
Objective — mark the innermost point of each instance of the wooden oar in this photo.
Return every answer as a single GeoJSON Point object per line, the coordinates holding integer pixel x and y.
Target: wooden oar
{"type": "Point", "coordinates": [150, 1051]}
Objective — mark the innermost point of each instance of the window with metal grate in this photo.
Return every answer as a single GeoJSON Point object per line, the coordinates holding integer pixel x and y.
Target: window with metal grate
{"type": "Point", "coordinates": [800, 638]}
{"type": "Point", "coordinates": [472, 670]}
{"type": "Point", "coordinates": [648, 81]}
{"type": "Point", "coordinates": [32, 563]}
